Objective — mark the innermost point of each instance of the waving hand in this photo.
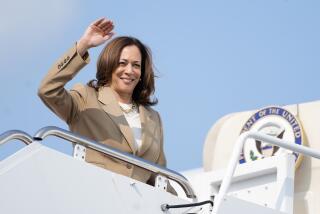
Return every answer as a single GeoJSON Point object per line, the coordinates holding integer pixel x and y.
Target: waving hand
{"type": "Point", "coordinates": [96, 34]}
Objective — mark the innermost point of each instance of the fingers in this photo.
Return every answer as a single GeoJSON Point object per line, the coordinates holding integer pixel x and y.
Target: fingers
{"type": "Point", "coordinates": [107, 26]}
{"type": "Point", "coordinates": [108, 36]}
{"type": "Point", "coordinates": [104, 25]}
{"type": "Point", "coordinates": [108, 29]}
{"type": "Point", "coordinates": [97, 22]}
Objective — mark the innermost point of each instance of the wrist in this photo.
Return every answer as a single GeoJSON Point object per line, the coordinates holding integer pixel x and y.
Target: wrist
{"type": "Point", "coordinates": [82, 47]}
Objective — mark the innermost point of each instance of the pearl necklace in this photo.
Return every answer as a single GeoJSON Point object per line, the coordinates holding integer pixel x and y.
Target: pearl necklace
{"type": "Point", "coordinates": [133, 108]}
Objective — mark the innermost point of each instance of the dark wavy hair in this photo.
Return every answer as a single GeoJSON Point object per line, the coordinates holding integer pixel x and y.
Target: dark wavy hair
{"type": "Point", "coordinates": [108, 62]}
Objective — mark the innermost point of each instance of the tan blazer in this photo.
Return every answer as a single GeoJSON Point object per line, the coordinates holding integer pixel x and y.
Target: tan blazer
{"type": "Point", "coordinates": [97, 115]}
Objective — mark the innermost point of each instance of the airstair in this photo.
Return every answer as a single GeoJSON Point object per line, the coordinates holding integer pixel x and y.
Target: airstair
{"type": "Point", "coordinates": [38, 179]}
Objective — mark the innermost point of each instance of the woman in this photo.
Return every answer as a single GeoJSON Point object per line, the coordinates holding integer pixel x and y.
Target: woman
{"type": "Point", "coordinates": [115, 109]}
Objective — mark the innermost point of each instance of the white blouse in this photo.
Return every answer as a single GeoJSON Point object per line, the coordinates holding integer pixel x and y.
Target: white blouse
{"type": "Point", "coordinates": [133, 119]}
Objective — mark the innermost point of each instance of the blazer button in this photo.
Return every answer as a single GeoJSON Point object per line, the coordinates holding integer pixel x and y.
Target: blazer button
{"type": "Point", "coordinates": [129, 166]}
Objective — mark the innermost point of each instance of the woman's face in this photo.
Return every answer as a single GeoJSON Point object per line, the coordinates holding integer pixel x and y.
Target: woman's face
{"type": "Point", "coordinates": [127, 74]}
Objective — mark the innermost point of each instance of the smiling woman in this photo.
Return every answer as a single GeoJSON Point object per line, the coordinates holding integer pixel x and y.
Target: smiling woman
{"type": "Point", "coordinates": [125, 64]}
{"type": "Point", "coordinates": [127, 75]}
{"type": "Point", "coordinates": [115, 108]}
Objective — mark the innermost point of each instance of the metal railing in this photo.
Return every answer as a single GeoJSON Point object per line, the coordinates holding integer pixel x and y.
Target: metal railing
{"type": "Point", "coordinates": [15, 135]}
{"type": "Point", "coordinates": [69, 136]}
{"type": "Point", "coordinates": [236, 155]}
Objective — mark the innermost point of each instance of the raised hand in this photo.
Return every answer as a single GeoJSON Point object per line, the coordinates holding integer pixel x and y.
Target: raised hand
{"type": "Point", "coordinates": [96, 34]}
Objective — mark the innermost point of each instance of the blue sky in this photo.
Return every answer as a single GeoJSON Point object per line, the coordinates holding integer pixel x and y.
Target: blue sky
{"type": "Point", "coordinates": [212, 58]}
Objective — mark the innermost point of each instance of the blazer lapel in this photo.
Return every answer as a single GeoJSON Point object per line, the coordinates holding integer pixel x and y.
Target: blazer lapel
{"type": "Point", "coordinates": [148, 126]}
{"type": "Point", "coordinates": [111, 107]}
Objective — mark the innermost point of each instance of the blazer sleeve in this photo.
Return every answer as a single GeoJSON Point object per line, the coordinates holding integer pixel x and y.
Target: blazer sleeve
{"type": "Point", "coordinates": [52, 92]}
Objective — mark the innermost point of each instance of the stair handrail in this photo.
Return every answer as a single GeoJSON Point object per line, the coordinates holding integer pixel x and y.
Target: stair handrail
{"type": "Point", "coordinates": [236, 155]}
{"type": "Point", "coordinates": [75, 138]}
{"type": "Point", "coordinates": [15, 135]}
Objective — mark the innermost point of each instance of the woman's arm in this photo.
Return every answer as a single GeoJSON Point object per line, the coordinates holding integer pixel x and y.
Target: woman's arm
{"type": "Point", "coordinates": [52, 92]}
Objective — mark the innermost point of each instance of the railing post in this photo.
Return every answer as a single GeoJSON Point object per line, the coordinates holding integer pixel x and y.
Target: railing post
{"type": "Point", "coordinates": [236, 154]}
{"type": "Point", "coordinates": [15, 135]}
